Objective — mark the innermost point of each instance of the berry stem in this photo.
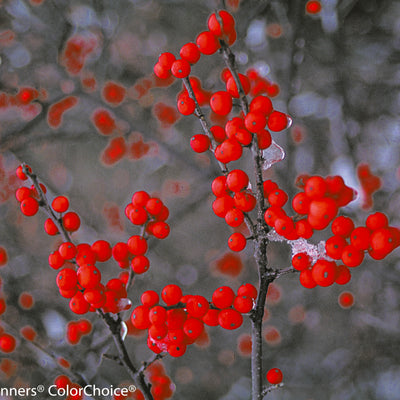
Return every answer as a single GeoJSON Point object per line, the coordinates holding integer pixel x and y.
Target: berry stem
{"type": "Point", "coordinates": [203, 121]}
{"type": "Point", "coordinates": [268, 389]}
{"type": "Point", "coordinates": [137, 375]}
{"type": "Point", "coordinates": [45, 204]}
{"type": "Point", "coordinates": [230, 61]}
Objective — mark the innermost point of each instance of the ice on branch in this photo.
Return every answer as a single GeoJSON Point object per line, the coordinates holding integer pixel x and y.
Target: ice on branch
{"type": "Point", "coordinates": [272, 155]}
{"type": "Point", "coordinates": [315, 251]}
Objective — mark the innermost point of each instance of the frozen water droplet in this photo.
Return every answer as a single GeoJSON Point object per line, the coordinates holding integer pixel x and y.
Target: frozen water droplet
{"type": "Point", "coordinates": [272, 155]}
{"type": "Point", "coordinates": [124, 330]}
{"type": "Point", "coordinates": [289, 121]}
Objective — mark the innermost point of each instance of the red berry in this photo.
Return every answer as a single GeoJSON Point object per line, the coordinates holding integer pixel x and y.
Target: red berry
{"type": "Point", "coordinates": [377, 221]}
{"type": "Point", "coordinates": [313, 7]}
{"type": "Point", "coordinates": [180, 68]}
{"type": "Point", "coordinates": [171, 294]}
{"type": "Point", "coordinates": [334, 246]}
{"type": "Point", "coordinates": [137, 245]}
{"type": "Point", "coordinates": [166, 59]}
{"type": "Point", "coordinates": [3, 257]}
{"type": "Point", "coordinates": [306, 279]}
{"type": "Point", "coordinates": [140, 317]}
{"type": "Point", "coordinates": [274, 376]}
{"type": "Point", "coordinates": [223, 297]}
{"type": "Point", "coordinates": [222, 205]}
{"type": "Point", "coordinates": [7, 343]}
{"type": "Point", "coordinates": [248, 290]}
{"type": "Point", "coordinates": [186, 105]}
{"type": "Point", "coordinates": [230, 319]}
{"type": "Point", "coordinates": [218, 186]}
{"type": "Point", "coordinates": [342, 226]}
{"type": "Point", "coordinates": [343, 275]}
{"type": "Point", "coordinates": [140, 198]}
{"type": "Point", "coordinates": [102, 249]}
{"type": "Point", "coordinates": [237, 180]}
{"type": "Point", "coordinates": [120, 251]}
{"type": "Point", "coordinates": [22, 193]}
{"type": "Point", "coordinates": [60, 204]}
{"type": "Point", "coordinates": [20, 172]}
{"type": "Point", "coordinates": [301, 261]}
{"type": "Point", "coordinates": [50, 227]}
{"type": "Point", "coordinates": [360, 238]}
{"type": "Point", "coordinates": [346, 299]}
{"type": "Point", "coordinates": [207, 43]}
{"type": "Point", "coordinates": [160, 229]}
{"type": "Point", "coordinates": [200, 143]}
{"type": "Point", "coordinates": [197, 306]}
{"type": "Point", "coordinates": [324, 272]}
{"type": "Point", "coordinates": [221, 103]}
{"type": "Point", "coordinates": [78, 304]}
{"type": "Point", "coordinates": [140, 264]}
{"type": "Point", "coordinates": [243, 304]}
{"type": "Point", "coordinates": [237, 241]}
{"type": "Point", "coordinates": [67, 250]}
{"type": "Point", "coordinates": [149, 298]}
{"type": "Point", "coordinates": [29, 206]}
{"type": "Point", "coordinates": [67, 279]}
{"type": "Point", "coordinates": [158, 315]}
{"type": "Point", "coordinates": [264, 139]}
{"type": "Point", "coordinates": [301, 203]}
{"type": "Point", "coordinates": [351, 256]}
{"type": "Point", "coordinates": [161, 71]}
{"type": "Point", "coordinates": [277, 121]}
{"type": "Point", "coordinates": [88, 276]}
{"type": "Point", "coordinates": [154, 205]}
{"type": "Point", "coordinates": [261, 104]}
{"type": "Point", "coordinates": [255, 121]}
{"type": "Point", "coordinates": [71, 221]}
{"type": "Point", "coordinates": [193, 328]}
{"type": "Point", "coordinates": [278, 198]}
{"type": "Point", "coordinates": [229, 150]}
{"type": "Point", "coordinates": [315, 187]}
{"type": "Point", "coordinates": [222, 24]}
{"type": "Point", "coordinates": [55, 260]}
{"type": "Point", "coordinates": [244, 201]}
{"type": "Point", "coordinates": [190, 52]}
{"type": "Point", "coordinates": [234, 217]}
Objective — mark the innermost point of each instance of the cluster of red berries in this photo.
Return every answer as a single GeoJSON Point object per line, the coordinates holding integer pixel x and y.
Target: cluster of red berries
{"type": "Point", "coordinates": [30, 201]}
{"type": "Point", "coordinates": [239, 131]}
{"type": "Point", "coordinates": [173, 327]}
{"type": "Point", "coordinates": [232, 201]}
{"type": "Point", "coordinates": [149, 212]}
{"type": "Point", "coordinates": [319, 203]}
{"type": "Point", "coordinates": [77, 329]}
{"type": "Point", "coordinates": [83, 285]}
{"type": "Point", "coordinates": [220, 27]}
{"type": "Point", "coordinates": [162, 386]}
{"type": "Point", "coordinates": [86, 292]}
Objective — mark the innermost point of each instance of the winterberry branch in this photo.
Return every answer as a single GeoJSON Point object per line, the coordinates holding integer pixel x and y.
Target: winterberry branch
{"type": "Point", "coordinates": [265, 275]}
{"type": "Point", "coordinates": [269, 389]}
{"type": "Point", "coordinates": [113, 322]}
{"type": "Point", "coordinates": [137, 375]}
{"type": "Point", "coordinates": [230, 61]}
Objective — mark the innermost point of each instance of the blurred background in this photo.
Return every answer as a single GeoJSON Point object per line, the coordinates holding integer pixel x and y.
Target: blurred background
{"type": "Point", "coordinates": [339, 79]}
